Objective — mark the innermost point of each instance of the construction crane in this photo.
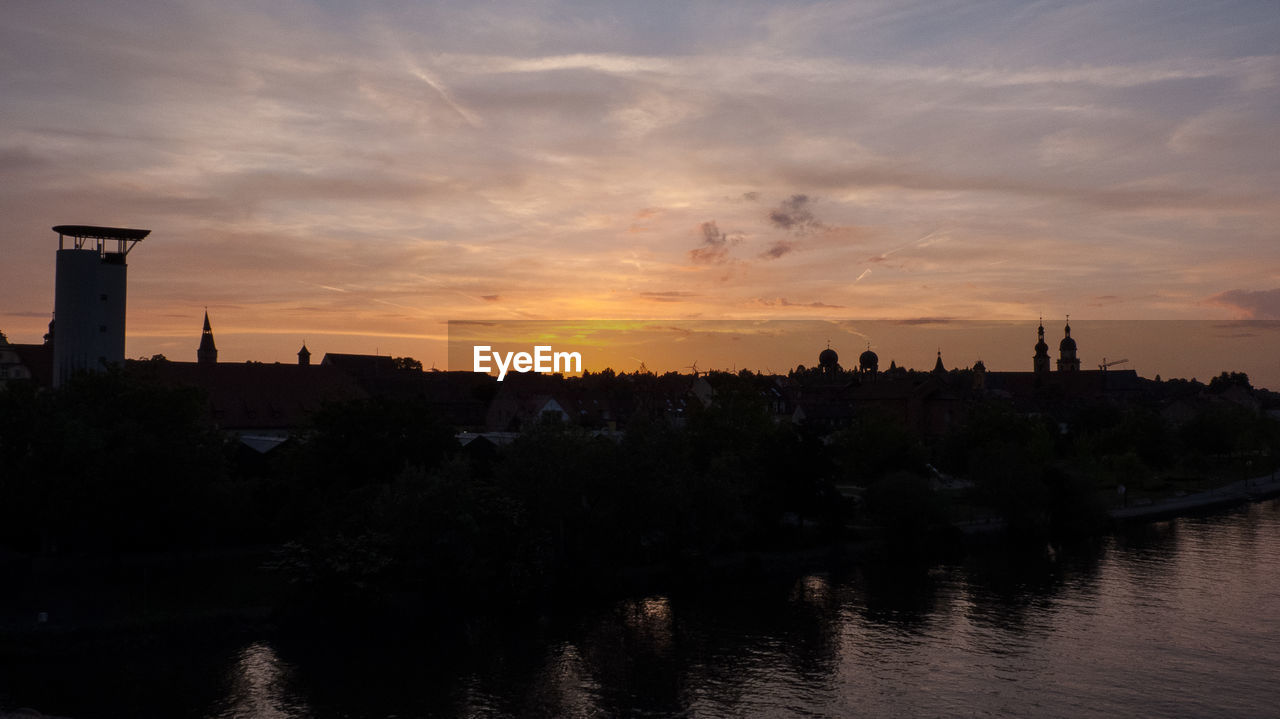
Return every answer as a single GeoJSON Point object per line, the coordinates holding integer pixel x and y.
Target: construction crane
{"type": "Point", "coordinates": [1106, 365]}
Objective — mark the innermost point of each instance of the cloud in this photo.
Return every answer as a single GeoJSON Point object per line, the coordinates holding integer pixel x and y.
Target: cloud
{"type": "Point", "coordinates": [715, 246]}
{"type": "Point", "coordinates": [794, 216]}
{"type": "Point", "coordinates": [784, 302]}
{"type": "Point", "coordinates": [924, 241]}
{"type": "Point", "coordinates": [384, 152]}
{"type": "Point", "coordinates": [1252, 304]}
{"type": "Point", "coordinates": [778, 249]}
{"type": "Point", "coordinates": [924, 321]}
{"type": "Point", "coordinates": [673, 296]}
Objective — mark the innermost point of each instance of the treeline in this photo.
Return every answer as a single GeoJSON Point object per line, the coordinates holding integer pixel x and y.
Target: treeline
{"type": "Point", "coordinates": [394, 506]}
{"type": "Point", "coordinates": [376, 501]}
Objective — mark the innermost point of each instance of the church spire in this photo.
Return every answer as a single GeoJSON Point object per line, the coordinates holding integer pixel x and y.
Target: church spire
{"type": "Point", "coordinates": [1040, 363]}
{"type": "Point", "coordinates": [1067, 359]}
{"type": "Point", "coordinates": [208, 351]}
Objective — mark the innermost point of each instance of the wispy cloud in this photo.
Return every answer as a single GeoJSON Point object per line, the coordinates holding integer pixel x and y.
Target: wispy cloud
{"type": "Point", "coordinates": [670, 296]}
{"type": "Point", "coordinates": [784, 302]}
{"type": "Point", "coordinates": [453, 160]}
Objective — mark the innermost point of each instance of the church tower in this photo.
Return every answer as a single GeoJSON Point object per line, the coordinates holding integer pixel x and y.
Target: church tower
{"type": "Point", "coordinates": [304, 355]}
{"type": "Point", "coordinates": [208, 352]}
{"type": "Point", "coordinates": [1040, 363]}
{"type": "Point", "coordinates": [868, 363]}
{"type": "Point", "coordinates": [1067, 360]}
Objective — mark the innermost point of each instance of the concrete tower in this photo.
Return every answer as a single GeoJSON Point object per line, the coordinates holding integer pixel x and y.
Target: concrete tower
{"type": "Point", "coordinates": [89, 298]}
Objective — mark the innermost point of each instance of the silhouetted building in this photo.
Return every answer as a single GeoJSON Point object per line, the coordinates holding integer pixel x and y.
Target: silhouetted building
{"type": "Point", "coordinates": [362, 367]}
{"type": "Point", "coordinates": [207, 353]}
{"type": "Point", "coordinates": [868, 363]}
{"type": "Point", "coordinates": [1040, 363]}
{"type": "Point", "coordinates": [89, 297]}
{"type": "Point", "coordinates": [304, 355]}
{"type": "Point", "coordinates": [1067, 360]}
{"type": "Point", "coordinates": [11, 365]}
{"type": "Point", "coordinates": [925, 404]}
{"type": "Point", "coordinates": [36, 362]}
{"type": "Point", "coordinates": [458, 398]}
{"type": "Point", "coordinates": [828, 361]}
{"type": "Point", "coordinates": [254, 398]}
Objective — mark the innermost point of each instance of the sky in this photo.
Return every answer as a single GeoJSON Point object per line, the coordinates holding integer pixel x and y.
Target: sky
{"type": "Point", "coordinates": [356, 175]}
{"type": "Point", "coordinates": [1188, 349]}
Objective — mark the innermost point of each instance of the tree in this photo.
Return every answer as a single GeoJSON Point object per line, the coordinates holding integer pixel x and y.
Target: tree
{"type": "Point", "coordinates": [369, 441]}
{"type": "Point", "coordinates": [876, 445]}
{"type": "Point", "coordinates": [406, 363]}
{"type": "Point", "coordinates": [110, 461]}
{"type": "Point", "coordinates": [1229, 379]}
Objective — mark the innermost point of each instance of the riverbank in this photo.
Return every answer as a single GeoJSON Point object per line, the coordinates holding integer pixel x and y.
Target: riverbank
{"type": "Point", "coordinates": [1228, 495]}
{"type": "Point", "coordinates": [1149, 510]}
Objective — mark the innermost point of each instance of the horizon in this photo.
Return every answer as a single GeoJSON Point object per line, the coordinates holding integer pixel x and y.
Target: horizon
{"type": "Point", "coordinates": [1169, 349]}
{"type": "Point", "coordinates": [357, 177]}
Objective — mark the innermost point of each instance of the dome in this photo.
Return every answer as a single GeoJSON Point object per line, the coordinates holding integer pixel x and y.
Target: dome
{"type": "Point", "coordinates": [868, 359]}
{"type": "Point", "coordinates": [1067, 344]}
{"type": "Point", "coordinates": [828, 358]}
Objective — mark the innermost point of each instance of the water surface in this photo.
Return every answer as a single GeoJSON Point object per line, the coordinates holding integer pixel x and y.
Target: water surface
{"type": "Point", "coordinates": [1180, 618]}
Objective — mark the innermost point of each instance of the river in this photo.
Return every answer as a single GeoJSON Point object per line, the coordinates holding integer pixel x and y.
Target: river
{"type": "Point", "coordinates": [1178, 618]}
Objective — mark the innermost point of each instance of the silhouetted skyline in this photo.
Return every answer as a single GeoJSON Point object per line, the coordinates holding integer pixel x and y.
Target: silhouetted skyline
{"type": "Point", "coordinates": [357, 177]}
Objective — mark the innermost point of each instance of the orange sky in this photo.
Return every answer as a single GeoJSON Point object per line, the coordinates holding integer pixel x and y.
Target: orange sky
{"type": "Point", "coordinates": [1168, 348]}
{"type": "Point", "coordinates": [356, 177]}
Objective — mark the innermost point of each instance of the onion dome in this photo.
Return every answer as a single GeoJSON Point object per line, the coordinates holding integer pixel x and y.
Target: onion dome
{"type": "Point", "coordinates": [828, 358]}
{"type": "Point", "coordinates": [868, 359]}
{"type": "Point", "coordinates": [1067, 343]}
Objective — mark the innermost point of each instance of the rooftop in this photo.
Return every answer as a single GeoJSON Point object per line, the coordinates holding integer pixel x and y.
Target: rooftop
{"type": "Point", "coordinates": [101, 233]}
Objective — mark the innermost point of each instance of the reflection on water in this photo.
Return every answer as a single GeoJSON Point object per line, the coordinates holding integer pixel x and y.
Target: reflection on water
{"type": "Point", "coordinates": [256, 687]}
{"type": "Point", "coordinates": [1179, 618]}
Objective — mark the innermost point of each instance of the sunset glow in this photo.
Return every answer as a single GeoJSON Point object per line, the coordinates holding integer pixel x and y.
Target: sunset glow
{"type": "Point", "coordinates": [356, 177]}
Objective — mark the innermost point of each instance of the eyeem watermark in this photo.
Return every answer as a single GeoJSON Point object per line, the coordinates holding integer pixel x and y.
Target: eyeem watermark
{"type": "Point", "coordinates": [543, 360]}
